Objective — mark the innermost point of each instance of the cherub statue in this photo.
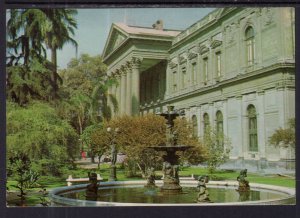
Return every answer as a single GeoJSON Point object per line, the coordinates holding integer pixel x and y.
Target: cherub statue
{"type": "Point", "coordinates": [243, 183]}
{"type": "Point", "coordinates": [92, 188]}
{"type": "Point", "coordinates": [150, 177]}
{"type": "Point", "coordinates": [203, 195]}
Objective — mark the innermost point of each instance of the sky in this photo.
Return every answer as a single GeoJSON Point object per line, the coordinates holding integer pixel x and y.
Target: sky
{"type": "Point", "coordinates": [93, 26]}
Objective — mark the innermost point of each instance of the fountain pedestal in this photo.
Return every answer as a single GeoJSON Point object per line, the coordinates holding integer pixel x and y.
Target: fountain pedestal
{"type": "Point", "coordinates": [170, 167]}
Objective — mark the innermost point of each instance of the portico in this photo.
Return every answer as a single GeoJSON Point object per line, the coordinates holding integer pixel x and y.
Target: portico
{"type": "Point", "coordinates": [132, 54]}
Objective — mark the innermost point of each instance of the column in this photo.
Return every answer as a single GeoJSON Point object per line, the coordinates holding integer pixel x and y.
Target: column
{"type": "Point", "coordinates": [168, 80]}
{"type": "Point", "coordinates": [136, 62]}
{"type": "Point", "coordinates": [118, 91]}
{"type": "Point", "coordinates": [123, 92]}
{"type": "Point", "coordinates": [109, 103]}
{"type": "Point", "coordinates": [128, 90]}
{"type": "Point", "coordinates": [113, 94]}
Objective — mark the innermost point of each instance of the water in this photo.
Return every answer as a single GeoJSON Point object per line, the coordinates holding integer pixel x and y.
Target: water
{"type": "Point", "coordinates": [139, 194]}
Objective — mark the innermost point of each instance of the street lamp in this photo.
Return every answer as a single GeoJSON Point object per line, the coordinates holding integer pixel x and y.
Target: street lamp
{"type": "Point", "coordinates": [113, 133]}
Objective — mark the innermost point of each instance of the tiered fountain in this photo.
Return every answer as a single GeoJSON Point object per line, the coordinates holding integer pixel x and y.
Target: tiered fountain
{"type": "Point", "coordinates": [170, 167]}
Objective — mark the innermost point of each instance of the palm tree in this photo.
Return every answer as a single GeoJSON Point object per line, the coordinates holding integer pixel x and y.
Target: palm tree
{"type": "Point", "coordinates": [57, 35]}
{"type": "Point", "coordinates": [25, 36]}
{"type": "Point", "coordinates": [99, 109]}
{"type": "Point", "coordinates": [28, 30]}
{"type": "Point", "coordinates": [27, 67]}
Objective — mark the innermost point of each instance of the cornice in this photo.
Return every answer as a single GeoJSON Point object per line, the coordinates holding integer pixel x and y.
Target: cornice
{"type": "Point", "coordinates": [229, 82]}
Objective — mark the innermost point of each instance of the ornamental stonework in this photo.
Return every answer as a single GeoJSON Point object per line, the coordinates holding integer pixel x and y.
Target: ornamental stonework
{"type": "Point", "coordinates": [231, 33]}
{"type": "Point", "coordinates": [267, 16]}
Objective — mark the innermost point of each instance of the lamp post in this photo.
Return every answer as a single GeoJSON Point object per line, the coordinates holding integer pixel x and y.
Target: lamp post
{"type": "Point", "coordinates": [113, 133]}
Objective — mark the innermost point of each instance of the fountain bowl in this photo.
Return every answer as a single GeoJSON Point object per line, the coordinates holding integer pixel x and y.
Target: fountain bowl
{"type": "Point", "coordinates": [287, 195]}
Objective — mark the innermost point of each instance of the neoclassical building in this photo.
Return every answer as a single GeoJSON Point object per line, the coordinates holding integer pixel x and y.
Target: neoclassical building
{"type": "Point", "coordinates": [233, 70]}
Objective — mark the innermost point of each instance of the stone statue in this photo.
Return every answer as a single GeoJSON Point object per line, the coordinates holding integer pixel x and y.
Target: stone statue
{"type": "Point", "coordinates": [203, 195]}
{"type": "Point", "coordinates": [92, 188]}
{"type": "Point", "coordinates": [150, 177]}
{"type": "Point", "coordinates": [175, 173]}
{"type": "Point", "coordinates": [167, 169]}
{"type": "Point", "coordinates": [243, 183]}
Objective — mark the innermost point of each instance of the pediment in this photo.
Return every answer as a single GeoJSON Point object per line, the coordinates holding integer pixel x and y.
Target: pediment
{"type": "Point", "coordinates": [115, 38]}
{"type": "Point", "coordinates": [215, 43]}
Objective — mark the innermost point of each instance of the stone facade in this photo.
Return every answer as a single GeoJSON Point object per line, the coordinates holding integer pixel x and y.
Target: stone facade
{"type": "Point", "coordinates": [235, 67]}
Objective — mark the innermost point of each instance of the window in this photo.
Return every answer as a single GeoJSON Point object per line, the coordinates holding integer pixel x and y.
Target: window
{"type": "Point", "coordinates": [206, 123]}
{"type": "Point", "coordinates": [218, 64]}
{"type": "Point", "coordinates": [184, 78]}
{"type": "Point", "coordinates": [195, 126]}
{"type": "Point", "coordinates": [194, 65]}
{"type": "Point", "coordinates": [219, 127]}
{"type": "Point", "coordinates": [174, 81]}
{"type": "Point", "coordinates": [205, 69]}
{"type": "Point", "coordinates": [252, 125]}
{"type": "Point", "coordinates": [249, 34]}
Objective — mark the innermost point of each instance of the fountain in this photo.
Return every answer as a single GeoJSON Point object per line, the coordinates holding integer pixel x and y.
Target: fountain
{"type": "Point", "coordinates": [159, 192]}
{"type": "Point", "coordinates": [170, 167]}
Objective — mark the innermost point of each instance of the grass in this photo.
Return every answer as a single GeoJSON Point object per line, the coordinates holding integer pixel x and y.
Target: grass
{"type": "Point", "coordinates": [50, 182]}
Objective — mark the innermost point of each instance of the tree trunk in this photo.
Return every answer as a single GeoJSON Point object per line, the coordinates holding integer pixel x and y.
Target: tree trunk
{"type": "Point", "coordinates": [54, 71]}
{"type": "Point", "coordinates": [99, 158]}
{"type": "Point", "coordinates": [143, 173]}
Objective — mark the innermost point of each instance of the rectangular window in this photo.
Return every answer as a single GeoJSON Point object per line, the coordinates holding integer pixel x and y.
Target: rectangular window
{"type": "Point", "coordinates": [193, 71]}
{"type": "Point", "coordinates": [250, 51]}
{"type": "Point", "coordinates": [174, 81]}
{"type": "Point", "coordinates": [184, 78]}
{"type": "Point", "coordinates": [205, 69]}
{"type": "Point", "coordinates": [253, 145]}
{"type": "Point", "coordinates": [218, 64]}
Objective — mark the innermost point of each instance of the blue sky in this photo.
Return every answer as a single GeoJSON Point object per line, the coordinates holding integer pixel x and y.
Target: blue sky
{"type": "Point", "coordinates": [94, 25]}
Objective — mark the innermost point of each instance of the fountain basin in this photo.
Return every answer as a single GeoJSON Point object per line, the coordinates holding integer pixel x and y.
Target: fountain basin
{"type": "Point", "coordinates": [281, 195]}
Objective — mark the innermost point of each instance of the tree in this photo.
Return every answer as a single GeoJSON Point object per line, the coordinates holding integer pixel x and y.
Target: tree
{"type": "Point", "coordinates": [284, 137]}
{"type": "Point", "coordinates": [198, 152]}
{"type": "Point", "coordinates": [99, 141]}
{"type": "Point", "coordinates": [218, 148]}
{"type": "Point", "coordinates": [28, 30]}
{"type": "Point", "coordinates": [137, 134]}
{"type": "Point", "coordinates": [19, 166]}
{"type": "Point", "coordinates": [50, 142]}
{"type": "Point", "coordinates": [93, 145]}
{"type": "Point", "coordinates": [59, 33]}
{"type": "Point", "coordinates": [87, 75]}
{"type": "Point", "coordinates": [28, 71]}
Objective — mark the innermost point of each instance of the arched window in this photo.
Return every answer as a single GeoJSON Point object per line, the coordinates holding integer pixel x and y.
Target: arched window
{"type": "Point", "coordinates": [195, 126]}
{"type": "Point", "coordinates": [205, 122]}
{"type": "Point", "coordinates": [249, 35]}
{"type": "Point", "coordinates": [252, 125]}
{"type": "Point", "coordinates": [219, 127]}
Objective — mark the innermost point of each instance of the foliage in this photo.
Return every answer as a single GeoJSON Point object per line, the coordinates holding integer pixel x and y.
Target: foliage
{"type": "Point", "coordinates": [28, 82]}
{"type": "Point", "coordinates": [29, 73]}
{"type": "Point", "coordinates": [49, 142]}
{"type": "Point", "coordinates": [218, 148]}
{"type": "Point", "coordinates": [95, 140]}
{"type": "Point", "coordinates": [284, 137]}
{"type": "Point", "coordinates": [197, 153]}
{"type": "Point", "coordinates": [19, 166]}
{"type": "Point", "coordinates": [135, 136]}
{"type": "Point", "coordinates": [85, 90]}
